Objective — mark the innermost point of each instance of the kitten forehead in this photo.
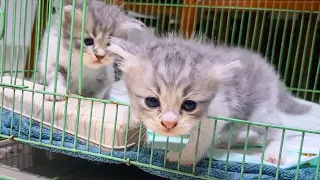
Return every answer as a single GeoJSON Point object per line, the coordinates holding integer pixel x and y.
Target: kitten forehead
{"type": "Point", "coordinates": [100, 19]}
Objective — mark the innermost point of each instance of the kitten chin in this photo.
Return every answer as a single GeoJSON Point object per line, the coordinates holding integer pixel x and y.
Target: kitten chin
{"type": "Point", "coordinates": [175, 83]}
{"type": "Point", "coordinates": [101, 20]}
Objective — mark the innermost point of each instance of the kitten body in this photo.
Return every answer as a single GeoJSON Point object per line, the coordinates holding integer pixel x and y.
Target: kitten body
{"type": "Point", "coordinates": [97, 72]}
{"type": "Point", "coordinates": [222, 81]}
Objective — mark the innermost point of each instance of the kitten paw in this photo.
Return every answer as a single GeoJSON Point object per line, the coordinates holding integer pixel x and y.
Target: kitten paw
{"type": "Point", "coordinates": [185, 159]}
{"type": "Point", "coordinates": [273, 157]}
{"type": "Point", "coordinates": [60, 90]}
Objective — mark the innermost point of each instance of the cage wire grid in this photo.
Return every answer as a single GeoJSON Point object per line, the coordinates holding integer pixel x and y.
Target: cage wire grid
{"type": "Point", "coordinates": [285, 32]}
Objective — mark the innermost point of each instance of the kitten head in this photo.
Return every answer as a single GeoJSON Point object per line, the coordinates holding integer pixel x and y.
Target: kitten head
{"type": "Point", "coordinates": [171, 84]}
{"type": "Point", "coordinates": [101, 21]}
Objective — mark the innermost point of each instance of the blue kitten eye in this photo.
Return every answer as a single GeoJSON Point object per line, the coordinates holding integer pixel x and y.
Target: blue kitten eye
{"type": "Point", "coordinates": [88, 41]}
{"type": "Point", "coordinates": [189, 105]}
{"type": "Point", "coordinates": [152, 102]}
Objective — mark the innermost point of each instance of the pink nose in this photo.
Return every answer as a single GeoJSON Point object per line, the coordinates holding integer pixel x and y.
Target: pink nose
{"type": "Point", "coordinates": [99, 57]}
{"type": "Point", "coordinates": [168, 124]}
{"type": "Point", "coordinates": [169, 119]}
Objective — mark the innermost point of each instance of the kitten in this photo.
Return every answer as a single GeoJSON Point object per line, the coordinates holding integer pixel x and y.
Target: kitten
{"type": "Point", "coordinates": [98, 72]}
{"type": "Point", "coordinates": [174, 84]}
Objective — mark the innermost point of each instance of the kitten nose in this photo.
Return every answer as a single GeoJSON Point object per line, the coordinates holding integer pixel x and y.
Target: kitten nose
{"type": "Point", "coordinates": [169, 120]}
{"type": "Point", "coordinates": [99, 57]}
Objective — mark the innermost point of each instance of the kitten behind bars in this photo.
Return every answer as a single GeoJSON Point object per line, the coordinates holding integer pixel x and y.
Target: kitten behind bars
{"type": "Point", "coordinates": [101, 21]}
{"type": "Point", "coordinates": [174, 84]}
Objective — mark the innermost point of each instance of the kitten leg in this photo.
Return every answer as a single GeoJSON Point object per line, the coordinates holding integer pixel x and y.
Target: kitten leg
{"type": "Point", "coordinates": [61, 84]}
{"type": "Point", "coordinates": [266, 115]}
{"type": "Point", "coordinates": [272, 149]}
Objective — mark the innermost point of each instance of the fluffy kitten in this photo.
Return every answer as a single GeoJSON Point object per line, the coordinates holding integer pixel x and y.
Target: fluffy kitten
{"type": "Point", "coordinates": [174, 84]}
{"type": "Point", "coordinates": [98, 72]}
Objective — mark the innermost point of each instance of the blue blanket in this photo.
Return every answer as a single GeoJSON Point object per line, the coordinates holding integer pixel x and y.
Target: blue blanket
{"type": "Point", "coordinates": [251, 171]}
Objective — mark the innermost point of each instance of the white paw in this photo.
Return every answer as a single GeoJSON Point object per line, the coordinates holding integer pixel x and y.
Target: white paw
{"type": "Point", "coordinates": [60, 90]}
{"type": "Point", "coordinates": [118, 50]}
{"type": "Point", "coordinates": [185, 159]}
{"type": "Point", "coordinates": [272, 156]}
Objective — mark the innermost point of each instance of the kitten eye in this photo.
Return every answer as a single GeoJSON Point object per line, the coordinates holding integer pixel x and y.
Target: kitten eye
{"type": "Point", "coordinates": [189, 105]}
{"type": "Point", "coordinates": [152, 102]}
{"type": "Point", "coordinates": [88, 41]}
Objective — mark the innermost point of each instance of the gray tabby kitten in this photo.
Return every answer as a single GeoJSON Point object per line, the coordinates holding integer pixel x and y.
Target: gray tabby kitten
{"type": "Point", "coordinates": [101, 21]}
{"type": "Point", "coordinates": [174, 84]}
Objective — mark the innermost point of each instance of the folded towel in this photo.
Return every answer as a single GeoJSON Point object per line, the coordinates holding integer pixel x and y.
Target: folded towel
{"type": "Point", "coordinates": [11, 125]}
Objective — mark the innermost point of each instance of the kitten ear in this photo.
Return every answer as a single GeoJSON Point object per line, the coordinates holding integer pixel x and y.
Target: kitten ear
{"type": "Point", "coordinates": [224, 71]}
{"type": "Point", "coordinates": [67, 14]}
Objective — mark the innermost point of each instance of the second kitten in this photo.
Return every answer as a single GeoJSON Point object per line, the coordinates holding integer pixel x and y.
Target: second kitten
{"type": "Point", "coordinates": [101, 21]}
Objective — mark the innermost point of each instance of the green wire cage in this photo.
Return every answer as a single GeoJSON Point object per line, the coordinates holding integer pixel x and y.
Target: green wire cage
{"type": "Point", "coordinates": [286, 32]}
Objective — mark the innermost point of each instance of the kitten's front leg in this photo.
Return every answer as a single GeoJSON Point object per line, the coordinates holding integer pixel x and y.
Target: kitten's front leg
{"type": "Point", "coordinates": [122, 48]}
{"type": "Point", "coordinates": [61, 84]}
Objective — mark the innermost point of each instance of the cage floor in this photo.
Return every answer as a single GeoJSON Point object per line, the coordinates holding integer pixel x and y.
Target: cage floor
{"type": "Point", "coordinates": [65, 168]}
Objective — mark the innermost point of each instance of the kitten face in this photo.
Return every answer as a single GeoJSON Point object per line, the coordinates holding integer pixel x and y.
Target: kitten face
{"type": "Point", "coordinates": [170, 87]}
{"type": "Point", "coordinates": [101, 21]}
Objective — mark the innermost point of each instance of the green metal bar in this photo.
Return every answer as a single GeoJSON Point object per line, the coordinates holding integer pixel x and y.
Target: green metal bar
{"type": "Point", "coordinates": [275, 36]}
{"type": "Point", "coordinates": [152, 147]}
{"type": "Point", "coordinates": [248, 26]}
{"type": "Point", "coordinates": [180, 152]}
{"type": "Point", "coordinates": [3, 52]}
{"type": "Point", "coordinates": [227, 27]}
{"type": "Point", "coordinates": [102, 127]}
{"type": "Point", "coordinates": [245, 152]}
{"type": "Point", "coordinates": [201, 18]}
{"type": "Point", "coordinates": [139, 142]}
{"type": "Point", "coordinates": [282, 42]}
{"type": "Point", "coordinates": [262, 29]}
{"type": "Point", "coordinates": [270, 33]}
{"type": "Point", "coordinates": [297, 50]}
{"type": "Point", "coordinates": [290, 45]}
{"type": "Point", "coordinates": [208, 18]}
{"type": "Point", "coordinates": [299, 158]}
{"type": "Point", "coordinates": [36, 62]}
{"type": "Point", "coordinates": [234, 25]}
{"type": "Point", "coordinates": [212, 145]}
{"type": "Point", "coordinates": [255, 29]}
{"type": "Point", "coordinates": [214, 22]}
{"type": "Point", "coordinates": [280, 153]}
{"type": "Point", "coordinates": [263, 151]}
{"type": "Point", "coordinates": [127, 131]}
{"type": "Point", "coordinates": [89, 128]}
{"type": "Point", "coordinates": [69, 71]}
{"type": "Point", "coordinates": [2, 18]}
{"type": "Point", "coordinates": [195, 156]}
{"type": "Point", "coordinates": [114, 129]}
{"type": "Point", "coordinates": [220, 23]}
{"type": "Point", "coordinates": [228, 150]}
{"type": "Point", "coordinates": [45, 70]}
{"type": "Point", "coordinates": [4, 43]}
{"type": "Point", "coordinates": [311, 56]}
{"type": "Point", "coordinates": [166, 153]}
{"type": "Point", "coordinates": [304, 55]}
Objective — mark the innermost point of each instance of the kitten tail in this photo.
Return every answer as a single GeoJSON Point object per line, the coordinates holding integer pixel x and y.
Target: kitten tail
{"type": "Point", "coordinates": [288, 105]}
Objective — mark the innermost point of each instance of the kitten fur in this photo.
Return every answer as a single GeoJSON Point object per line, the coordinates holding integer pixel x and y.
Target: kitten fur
{"type": "Point", "coordinates": [101, 21]}
{"type": "Point", "coordinates": [224, 81]}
